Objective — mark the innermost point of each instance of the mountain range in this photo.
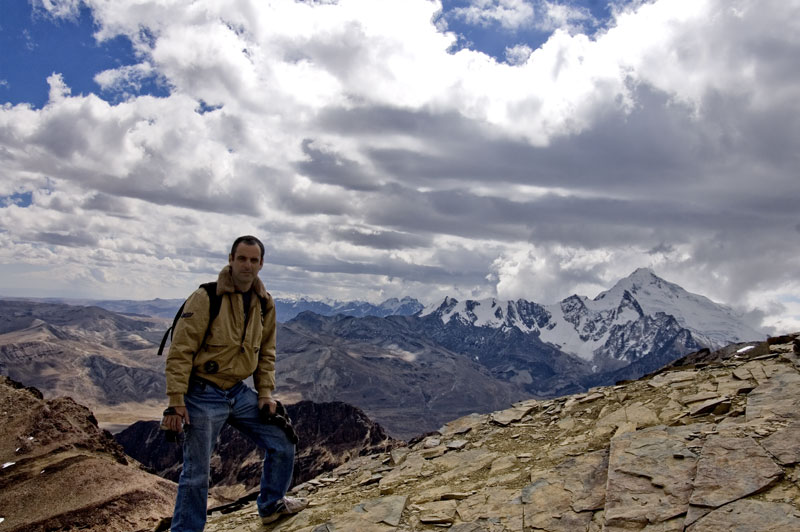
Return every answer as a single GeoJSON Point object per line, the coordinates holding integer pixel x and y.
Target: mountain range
{"type": "Point", "coordinates": [409, 372]}
{"type": "Point", "coordinates": [286, 308]}
{"type": "Point", "coordinates": [597, 328]}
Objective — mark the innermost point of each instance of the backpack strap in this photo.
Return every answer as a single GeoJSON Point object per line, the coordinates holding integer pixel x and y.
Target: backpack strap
{"type": "Point", "coordinates": [168, 332]}
{"type": "Point", "coordinates": [214, 304]}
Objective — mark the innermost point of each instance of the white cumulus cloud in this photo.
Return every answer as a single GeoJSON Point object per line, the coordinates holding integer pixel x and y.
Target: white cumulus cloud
{"type": "Point", "coordinates": [377, 159]}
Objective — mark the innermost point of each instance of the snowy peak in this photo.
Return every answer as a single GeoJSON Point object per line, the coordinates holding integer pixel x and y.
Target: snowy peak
{"type": "Point", "coordinates": [712, 323]}
{"type": "Point", "coordinates": [478, 313]}
{"type": "Point", "coordinates": [440, 309]}
{"type": "Point", "coordinates": [404, 307]}
{"type": "Point", "coordinates": [647, 288]}
{"type": "Point", "coordinates": [624, 322]}
{"type": "Point", "coordinates": [628, 304]}
{"type": "Point", "coordinates": [524, 315]}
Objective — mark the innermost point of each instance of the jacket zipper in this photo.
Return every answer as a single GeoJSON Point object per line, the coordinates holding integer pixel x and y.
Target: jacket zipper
{"type": "Point", "coordinates": [246, 320]}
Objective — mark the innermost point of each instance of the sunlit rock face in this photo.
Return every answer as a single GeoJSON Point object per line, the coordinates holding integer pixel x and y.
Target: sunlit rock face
{"type": "Point", "coordinates": [710, 443]}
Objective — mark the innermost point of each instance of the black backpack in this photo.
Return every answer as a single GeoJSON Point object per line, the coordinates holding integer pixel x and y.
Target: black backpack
{"type": "Point", "coordinates": [214, 304]}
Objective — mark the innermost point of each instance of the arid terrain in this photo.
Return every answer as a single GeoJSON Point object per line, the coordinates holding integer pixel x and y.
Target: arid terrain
{"type": "Point", "coordinates": [60, 471]}
{"type": "Point", "coordinates": [709, 444]}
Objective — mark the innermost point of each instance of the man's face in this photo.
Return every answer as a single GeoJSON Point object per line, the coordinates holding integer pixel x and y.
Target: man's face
{"type": "Point", "coordinates": [245, 265]}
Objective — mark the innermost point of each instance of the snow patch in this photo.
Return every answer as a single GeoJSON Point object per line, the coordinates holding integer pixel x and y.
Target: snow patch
{"type": "Point", "coordinates": [746, 348]}
{"type": "Point", "coordinates": [8, 464]}
{"type": "Point", "coordinates": [402, 354]}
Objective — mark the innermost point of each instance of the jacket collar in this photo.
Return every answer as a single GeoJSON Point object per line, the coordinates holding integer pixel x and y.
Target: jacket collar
{"type": "Point", "coordinates": [225, 284]}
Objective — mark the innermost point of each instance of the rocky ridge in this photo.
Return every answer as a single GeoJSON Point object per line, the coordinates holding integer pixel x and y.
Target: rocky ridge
{"type": "Point", "coordinates": [61, 472]}
{"type": "Point", "coordinates": [709, 444]}
{"type": "Point", "coordinates": [329, 434]}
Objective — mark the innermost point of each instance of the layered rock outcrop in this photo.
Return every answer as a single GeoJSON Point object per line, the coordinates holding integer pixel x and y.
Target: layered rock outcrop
{"type": "Point", "coordinates": [59, 471]}
{"type": "Point", "coordinates": [711, 445]}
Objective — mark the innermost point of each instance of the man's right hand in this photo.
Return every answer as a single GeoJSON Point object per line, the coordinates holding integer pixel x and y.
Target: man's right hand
{"type": "Point", "coordinates": [175, 422]}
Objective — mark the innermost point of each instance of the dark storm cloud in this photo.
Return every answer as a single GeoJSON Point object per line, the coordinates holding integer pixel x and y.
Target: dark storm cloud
{"type": "Point", "coordinates": [382, 120]}
{"type": "Point", "coordinates": [302, 260]}
{"type": "Point", "coordinates": [333, 169]}
{"type": "Point", "coordinates": [75, 239]}
{"type": "Point", "coordinates": [661, 248]}
{"type": "Point", "coordinates": [382, 239]}
{"type": "Point", "coordinates": [197, 189]}
{"type": "Point", "coordinates": [585, 221]}
{"type": "Point", "coordinates": [106, 203]}
{"type": "Point", "coordinates": [656, 177]}
{"type": "Point", "coordinates": [616, 152]}
{"type": "Point", "coordinates": [658, 150]}
{"type": "Point", "coordinates": [441, 212]}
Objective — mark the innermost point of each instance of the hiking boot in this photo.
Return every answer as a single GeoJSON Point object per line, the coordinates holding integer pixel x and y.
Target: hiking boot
{"type": "Point", "coordinates": [286, 506]}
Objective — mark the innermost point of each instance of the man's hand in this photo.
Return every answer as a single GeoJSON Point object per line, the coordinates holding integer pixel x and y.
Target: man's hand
{"type": "Point", "coordinates": [273, 405]}
{"type": "Point", "coordinates": [175, 422]}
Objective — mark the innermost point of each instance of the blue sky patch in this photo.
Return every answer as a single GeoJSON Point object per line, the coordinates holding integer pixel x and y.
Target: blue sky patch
{"type": "Point", "coordinates": [36, 45]}
{"type": "Point", "coordinates": [493, 38]}
{"type": "Point", "coordinates": [23, 199]}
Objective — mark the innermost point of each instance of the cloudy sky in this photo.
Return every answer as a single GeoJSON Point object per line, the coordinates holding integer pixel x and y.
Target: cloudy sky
{"type": "Point", "coordinates": [382, 148]}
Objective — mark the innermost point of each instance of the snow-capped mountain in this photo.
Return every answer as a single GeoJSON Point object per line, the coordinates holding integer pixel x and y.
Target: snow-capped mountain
{"type": "Point", "coordinates": [711, 323]}
{"type": "Point", "coordinates": [640, 315]}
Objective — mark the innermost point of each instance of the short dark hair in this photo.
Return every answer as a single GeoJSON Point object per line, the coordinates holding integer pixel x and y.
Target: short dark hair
{"type": "Point", "coordinates": [250, 241]}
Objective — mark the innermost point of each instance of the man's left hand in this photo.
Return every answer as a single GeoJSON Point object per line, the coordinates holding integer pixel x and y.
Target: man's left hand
{"type": "Point", "coordinates": [273, 405]}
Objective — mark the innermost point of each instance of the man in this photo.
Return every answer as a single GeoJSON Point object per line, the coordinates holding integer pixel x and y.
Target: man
{"type": "Point", "coordinates": [206, 389]}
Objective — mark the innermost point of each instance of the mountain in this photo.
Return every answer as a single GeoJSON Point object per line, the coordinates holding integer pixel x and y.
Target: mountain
{"type": "Point", "coordinates": [398, 375]}
{"type": "Point", "coordinates": [285, 308]}
{"type": "Point", "coordinates": [154, 308]}
{"type": "Point", "coordinates": [410, 373]}
{"type": "Point", "coordinates": [61, 472]}
{"type": "Point", "coordinates": [107, 361]}
{"type": "Point", "coordinates": [102, 359]}
{"type": "Point", "coordinates": [711, 445]}
{"type": "Point", "coordinates": [329, 435]}
{"type": "Point", "coordinates": [712, 324]}
{"type": "Point", "coordinates": [641, 316]}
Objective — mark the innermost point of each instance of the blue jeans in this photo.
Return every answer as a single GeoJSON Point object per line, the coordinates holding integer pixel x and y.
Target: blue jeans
{"type": "Point", "coordinates": [209, 409]}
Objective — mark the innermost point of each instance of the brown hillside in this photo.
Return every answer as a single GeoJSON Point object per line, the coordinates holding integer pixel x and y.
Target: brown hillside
{"type": "Point", "coordinates": [61, 472]}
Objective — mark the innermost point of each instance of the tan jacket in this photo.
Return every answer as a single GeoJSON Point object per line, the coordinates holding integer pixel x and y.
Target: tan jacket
{"type": "Point", "coordinates": [238, 353]}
